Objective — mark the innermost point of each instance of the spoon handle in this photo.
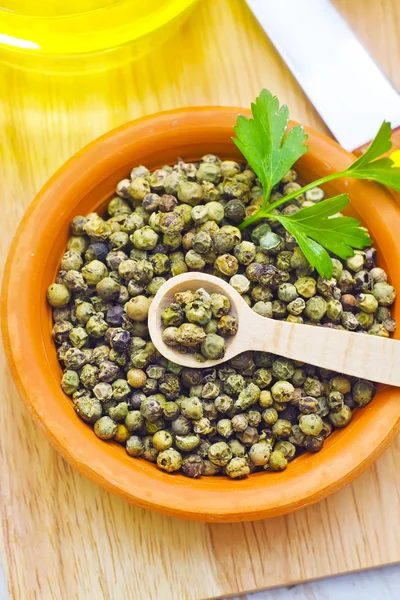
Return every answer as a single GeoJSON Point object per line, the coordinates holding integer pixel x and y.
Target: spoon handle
{"type": "Point", "coordinates": [365, 356]}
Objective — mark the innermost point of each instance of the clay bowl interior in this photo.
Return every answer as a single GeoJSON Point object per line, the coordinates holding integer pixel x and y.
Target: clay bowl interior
{"type": "Point", "coordinates": [85, 184]}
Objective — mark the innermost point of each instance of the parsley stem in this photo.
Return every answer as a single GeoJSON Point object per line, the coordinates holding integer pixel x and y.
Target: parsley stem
{"type": "Point", "coordinates": [253, 219]}
{"type": "Point", "coordinates": [304, 189]}
{"type": "Point", "coordinates": [266, 208]}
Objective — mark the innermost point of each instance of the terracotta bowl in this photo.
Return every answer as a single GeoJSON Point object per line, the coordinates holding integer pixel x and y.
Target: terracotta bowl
{"type": "Point", "coordinates": [84, 184]}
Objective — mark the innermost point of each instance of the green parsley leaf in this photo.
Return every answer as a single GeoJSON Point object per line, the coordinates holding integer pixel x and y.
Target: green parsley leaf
{"type": "Point", "coordinates": [381, 170]}
{"type": "Point", "coordinates": [271, 151]}
{"type": "Point", "coordinates": [370, 166]}
{"type": "Point", "coordinates": [316, 255]}
{"type": "Point", "coordinates": [317, 228]}
{"type": "Point", "coordinates": [379, 145]}
{"type": "Point", "coordinates": [261, 141]}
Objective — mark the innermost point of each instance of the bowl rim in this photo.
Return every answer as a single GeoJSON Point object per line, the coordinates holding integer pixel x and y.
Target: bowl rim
{"type": "Point", "coordinates": [175, 495]}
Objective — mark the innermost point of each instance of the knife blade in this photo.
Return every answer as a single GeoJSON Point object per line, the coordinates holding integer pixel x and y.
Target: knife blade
{"type": "Point", "coordinates": [345, 85]}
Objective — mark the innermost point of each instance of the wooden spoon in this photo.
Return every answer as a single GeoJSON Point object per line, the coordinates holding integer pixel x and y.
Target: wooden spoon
{"type": "Point", "coordinates": [365, 356]}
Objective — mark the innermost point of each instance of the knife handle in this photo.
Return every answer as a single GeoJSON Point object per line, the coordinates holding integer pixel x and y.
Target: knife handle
{"type": "Point", "coordinates": [395, 142]}
{"type": "Point", "coordinates": [395, 146]}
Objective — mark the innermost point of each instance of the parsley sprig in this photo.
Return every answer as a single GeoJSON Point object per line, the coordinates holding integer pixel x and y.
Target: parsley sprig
{"type": "Point", "coordinates": [271, 151]}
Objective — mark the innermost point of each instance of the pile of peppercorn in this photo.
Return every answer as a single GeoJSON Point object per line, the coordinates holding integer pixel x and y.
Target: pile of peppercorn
{"type": "Point", "coordinates": [256, 411]}
{"type": "Point", "coordinates": [199, 322]}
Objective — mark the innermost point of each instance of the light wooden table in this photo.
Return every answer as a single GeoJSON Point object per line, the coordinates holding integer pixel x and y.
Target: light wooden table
{"type": "Point", "coordinates": [64, 538]}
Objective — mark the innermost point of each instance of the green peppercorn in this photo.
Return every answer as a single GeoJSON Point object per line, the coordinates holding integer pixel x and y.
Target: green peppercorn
{"type": "Point", "coordinates": [334, 310]}
{"type": "Point", "coordinates": [384, 293]}
{"type": "Point", "coordinates": [237, 468]}
{"type": "Point", "coordinates": [119, 412]}
{"type": "Point", "coordinates": [71, 261]}
{"type": "Point", "coordinates": [313, 443]}
{"type": "Point", "coordinates": [105, 428]}
{"type": "Point", "coordinates": [137, 308]}
{"type": "Point", "coordinates": [187, 443]}
{"type": "Point", "coordinates": [223, 403]}
{"type": "Point", "coordinates": [134, 446]}
{"type": "Point", "coordinates": [139, 188]}
{"type": "Point", "coordinates": [223, 242]}
{"type": "Point", "coordinates": [209, 469]}
{"type": "Point", "coordinates": [181, 426]}
{"type": "Point", "coordinates": [210, 389]}
{"type": "Point", "coordinates": [310, 424]}
{"type": "Point", "coordinates": [70, 382]}
{"type": "Point", "coordinates": [190, 335]}
{"type": "Point", "coordinates": [74, 358]}
{"type": "Point", "coordinates": [162, 440]}
{"type": "Point", "coordinates": [308, 405]}
{"type": "Point", "coordinates": [306, 286]}
{"type": "Point", "coordinates": [265, 400]}
{"type": "Point", "coordinates": [208, 172]}
{"type": "Point", "coordinates": [235, 210]}
{"type": "Point", "coordinates": [313, 387]}
{"type": "Point", "coordinates": [282, 391]}
{"type": "Point", "coordinates": [103, 391]}
{"type": "Point", "coordinates": [169, 336]}
{"type": "Point", "coordinates": [271, 243]}
{"type": "Point", "coordinates": [122, 434]}
{"type": "Point", "coordinates": [263, 308]}
{"type": "Point", "coordinates": [335, 401]}
{"type": "Point", "coordinates": [226, 264]}
{"type": "Point", "coordinates": [134, 421]}
{"type": "Point", "coordinates": [341, 384]}
{"type": "Point", "coordinates": [287, 292]}
{"type": "Point", "coordinates": [197, 312]}
{"type": "Point", "coordinates": [89, 376]}
{"type": "Point", "coordinates": [150, 453]}
{"type": "Point", "coordinates": [363, 392]}
{"type": "Point", "coordinates": [283, 368]}
{"type": "Point", "coordinates": [315, 308]}
{"type": "Point", "coordinates": [298, 378]}
{"type": "Point", "coordinates": [224, 428]}
{"type": "Point", "coordinates": [58, 295]}
{"type": "Point", "coordinates": [219, 454]}
{"type": "Point", "coordinates": [213, 347]}
{"type": "Point", "coordinates": [78, 244]}
{"type": "Point", "coordinates": [77, 225]}
{"type": "Point", "coordinates": [259, 453]}
{"type": "Point", "coordinates": [270, 416]}
{"type": "Point", "coordinates": [356, 262]}
{"type": "Point", "coordinates": [169, 460]}
{"type": "Point", "coordinates": [150, 409]}
{"type": "Point", "coordinates": [61, 331]}
{"type": "Point", "coordinates": [249, 436]}
{"type": "Point", "coordinates": [287, 448]}
{"type": "Point", "coordinates": [192, 408]}
{"type": "Point", "coordinates": [239, 422]}
{"type": "Point", "coordinates": [190, 192]}
{"type": "Point", "coordinates": [228, 325]}
{"type": "Point", "coordinates": [278, 461]}
{"type": "Point", "coordinates": [282, 428]}
{"type": "Point", "coordinates": [341, 418]}
{"type": "Point", "coordinates": [365, 320]}
{"type": "Point", "coordinates": [247, 397]}
{"type": "Point", "coordinates": [192, 466]}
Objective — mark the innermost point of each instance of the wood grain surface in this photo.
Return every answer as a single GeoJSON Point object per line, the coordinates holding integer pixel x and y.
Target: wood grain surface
{"type": "Point", "coordinates": [65, 538]}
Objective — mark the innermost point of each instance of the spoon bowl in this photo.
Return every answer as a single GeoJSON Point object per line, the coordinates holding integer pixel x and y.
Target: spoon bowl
{"type": "Point", "coordinates": [193, 281]}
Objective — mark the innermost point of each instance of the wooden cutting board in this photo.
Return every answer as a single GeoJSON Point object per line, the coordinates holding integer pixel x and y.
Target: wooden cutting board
{"type": "Point", "coordinates": [65, 538]}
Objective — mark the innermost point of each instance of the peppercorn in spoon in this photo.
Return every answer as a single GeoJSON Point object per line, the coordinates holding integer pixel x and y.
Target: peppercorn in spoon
{"type": "Point", "coordinates": [364, 356]}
